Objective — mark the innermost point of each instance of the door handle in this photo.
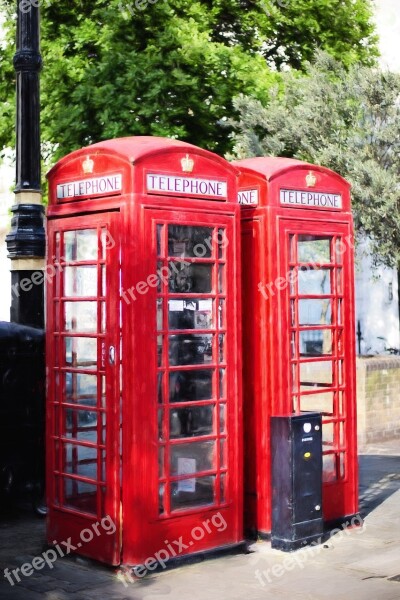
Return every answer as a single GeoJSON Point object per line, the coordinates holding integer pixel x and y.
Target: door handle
{"type": "Point", "coordinates": [111, 355]}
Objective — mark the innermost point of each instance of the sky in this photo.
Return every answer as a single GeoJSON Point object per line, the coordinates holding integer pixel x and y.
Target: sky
{"type": "Point", "coordinates": [388, 25]}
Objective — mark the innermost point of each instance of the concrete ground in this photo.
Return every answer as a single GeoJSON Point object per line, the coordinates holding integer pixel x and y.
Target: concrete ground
{"type": "Point", "coordinates": [355, 564]}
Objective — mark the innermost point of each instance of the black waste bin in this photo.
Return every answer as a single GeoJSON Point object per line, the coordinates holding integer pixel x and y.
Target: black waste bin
{"type": "Point", "coordinates": [22, 423]}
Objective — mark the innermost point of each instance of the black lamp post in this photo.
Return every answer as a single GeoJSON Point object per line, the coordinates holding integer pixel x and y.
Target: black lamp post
{"type": "Point", "coordinates": [26, 240]}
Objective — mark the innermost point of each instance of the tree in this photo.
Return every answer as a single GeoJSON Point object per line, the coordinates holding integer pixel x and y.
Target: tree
{"type": "Point", "coordinates": [124, 67]}
{"type": "Point", "coordinates": [347, 120]}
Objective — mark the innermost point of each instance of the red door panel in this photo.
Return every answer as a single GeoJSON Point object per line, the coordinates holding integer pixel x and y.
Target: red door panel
{"type": "Point", "coordinates": [83, 385]}
{"type": "Point", "coordinates": [320, 373]}
{"type": "Point", "coordinates": [186, 441]}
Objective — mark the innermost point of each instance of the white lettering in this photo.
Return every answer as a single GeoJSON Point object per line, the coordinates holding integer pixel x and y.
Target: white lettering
{"type": "Point", "coordinates": [310, 199]}
{"type": "Point", "coordinates": [248, 197]}
{"type": "Point", "coordinates": [186, 185]}
{"type": "Point", "coordinates": [90, 187]}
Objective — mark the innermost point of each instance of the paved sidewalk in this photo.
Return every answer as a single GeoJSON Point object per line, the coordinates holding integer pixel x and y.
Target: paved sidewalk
{"type": "Point", "coordinates": [355, 564]}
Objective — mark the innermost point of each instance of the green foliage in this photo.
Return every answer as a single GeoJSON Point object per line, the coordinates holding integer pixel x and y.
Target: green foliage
{"type": "Point", "coordinates": [347, 120]}
{"type": "Point", "coordinates": [133, 67]}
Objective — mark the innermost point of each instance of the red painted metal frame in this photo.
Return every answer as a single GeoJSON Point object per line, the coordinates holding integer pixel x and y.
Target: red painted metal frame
{"type": "Point", "coordinates": [266, 327]}
{"type": "Point", "coordinates": [141, 530]}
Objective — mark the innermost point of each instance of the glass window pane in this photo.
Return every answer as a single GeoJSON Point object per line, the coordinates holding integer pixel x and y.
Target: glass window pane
{"type": "Point", "coordinates": [222, 418]}
{"type": "Point", "coordinates": [80, 495]}
{"type": "Point", "coordinates": [194, 278]}
{"type": "Point", "coordinates": [81, 316]}
{"type": "Point", "coordinates": [314, 281]}
{"type": "Point", "coordinates": [160, 245]}
{"type": "Point", "coordinates": [221, 348]}
{"type": "Point", "coordinates": [339, 312]}
{"type": "Point", "coordinates": [160, 422]}
{"type": "Point", "coordinates": [339, 281]}
{"type": "Point", "coordinates": [192, 457]}
{"type": "Point", "coordinates": [342, 466]}
{"type": "Point", "coordinates": [159, 314]}
{"type": "Point", "coordinates": [223, 488]}
{"type": "Point", "coordinates": [316, 374]}
{"type": "Point", "coordinates": [315, 312]}
{"type": "Point", "coordinates": [81, 425]}
{"type": "Point", "coordinates": [191, 421]}
{"type": "Point", "coordinates": [160, 388]}
{"type": "Point", "coordinates": [81, 352]}
{"type": "Point", "coordinates": [81, 388]}
{"type": "Point", "coordinates": [328, 434]}
{"type": "Point", "coordinates": [160, 339]}
{"type": "Point", "coordinates": [221, 313]}
{"type": "Point", "coordinates": [81, 460]}
{"type": "Point", "coordinates": [315, 342]}
{"type": "Point", "coordinates": [103, 318]}
{"type": "Point", "coordinates": [340, 250]}
{"type": "Point", "coordinates": [161, 460]}
{"type": "Point", "coordinates": [190, 314]}
{"type": "Point", "coordinates": [161, 498]}
{"type": "Point", "coordinates": [314, 250]}
{"type": "Point", "coordinates": [221, 279]}
{"type": "Point", "coordinates": [107, 242]}
{"type": "Point", "coordinates": [222, 453]}
{"type": "Point", "coordinates": [318, 403]}
{"type": "Point", "coordinates": [292, 248]}
{"type": "Point", "coordinates": [103, 281]}
{"type": "Point", "coordinates": [293, 345]}
{"type": "Point", "coordinates": [57, 239]}
{"type": "Point", "coordinates": [185, 386]}
{"type": "Point", "coordinates": [292, 279]}
{"type": "Point", "coordinates": [188, 493]}
{"type": "Point", "coordinates": [80, 282]}
{"type": "Point", "coordinates": [80, 245]}
{"type": "Point", "coordinates": [190, 349]}
{"type": "Point", "coordinates": [329, 467]}
{"type": "Point", "coordinates": [189, 241]}
{"type": "Point", "coordinates": [342, 434]}
{"type": "Point", "coordinates": [222, 383]}
{"type": "Point", "coordinates": [103, 392]}
{"type": "Point", "coordinates": [222, 242]}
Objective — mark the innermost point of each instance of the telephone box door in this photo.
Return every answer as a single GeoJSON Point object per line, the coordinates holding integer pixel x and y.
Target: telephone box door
{"type": "Point", "coordinates": [83, 385]}
{"type": "Point", "coordinates": [189, 456]}
{"type": "Point", "coordinates": [320, 323]}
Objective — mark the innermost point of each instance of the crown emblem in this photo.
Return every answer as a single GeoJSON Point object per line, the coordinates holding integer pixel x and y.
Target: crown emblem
{"type": "Point", "coordinates": [88, 165]}
{"type": "Point", "coordinates": [187, 164]}
{"type": "Point", "coordinates": [311, 180]}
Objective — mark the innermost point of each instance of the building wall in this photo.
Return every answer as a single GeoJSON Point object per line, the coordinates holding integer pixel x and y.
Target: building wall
{"type": "Point", "coordinates": [378, 398]}
{"type": "Point", "coordinates": [6, 197]}
{"type": "Point", "coordinates": [377, 306]}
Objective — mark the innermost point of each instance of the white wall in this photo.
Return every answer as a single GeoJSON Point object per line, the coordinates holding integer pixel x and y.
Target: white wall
{"type": "Point", "coordinates": [6, 198]}
{"type": "Point", "coordinates": [378, 315]}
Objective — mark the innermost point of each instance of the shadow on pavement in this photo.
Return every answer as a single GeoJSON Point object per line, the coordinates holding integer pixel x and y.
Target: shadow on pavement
{"type": "Point", "coordinates": [379, 479]}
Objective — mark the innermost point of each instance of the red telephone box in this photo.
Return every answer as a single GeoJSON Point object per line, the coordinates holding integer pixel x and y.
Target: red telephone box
{"type": "Point", "coordinates": [144, 413]}
{"type": "Point", "coordinates": [298, 321]}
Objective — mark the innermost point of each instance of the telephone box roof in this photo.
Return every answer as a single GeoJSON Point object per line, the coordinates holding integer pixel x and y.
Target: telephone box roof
{"type": "Point", "coordinates": [135, 148]}
{"type": "Point", "coordinates": [271, 167]}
